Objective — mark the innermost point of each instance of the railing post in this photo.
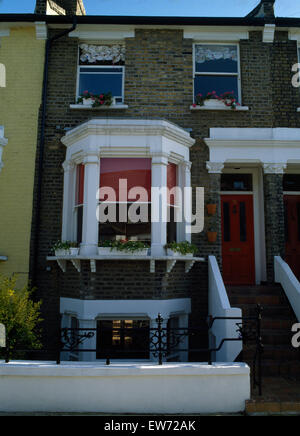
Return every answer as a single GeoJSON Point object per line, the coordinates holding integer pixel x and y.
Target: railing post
{"type": "Point", "coordinates": [159, 321]}
{"type": "Point", "coordinates": [259, 347]}
{"type": "Point", "coordinates": [59, 343]}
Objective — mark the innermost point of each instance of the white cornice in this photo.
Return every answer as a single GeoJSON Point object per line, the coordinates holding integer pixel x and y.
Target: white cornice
{"type": "Point", "coordinates": [128, 127]}
{"type": "Point", "coordinates": [94, 33]}
{"type": "Point", "coordinates": [4, 32]}
{"type": "Point", "coordinates": [268, 33]}
{"type": "Point", "coordinates": [213, 33]}
{"type": "Point", "coordinates": [294, 34]}
{"type": "Point", "coordinates": [41, 30]}
{"type": "Point", "coordinates": [272, 147]}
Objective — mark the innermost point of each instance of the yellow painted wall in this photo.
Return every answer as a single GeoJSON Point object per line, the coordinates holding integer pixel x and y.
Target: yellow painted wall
{"type": "Point", "coordinates": [23, 56]}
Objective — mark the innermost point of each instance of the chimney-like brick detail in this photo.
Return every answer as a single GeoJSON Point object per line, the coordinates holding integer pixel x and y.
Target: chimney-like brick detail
{"type": "Point", "coordinates": [61, 7]}
{"type": "Point", "coordinates": [265, 9]}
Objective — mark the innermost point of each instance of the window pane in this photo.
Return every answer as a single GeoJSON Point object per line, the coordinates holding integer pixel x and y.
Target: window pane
{"type": "Point", "coordinates": [100, 70]}
{"type": "Point", "coordinates": [220, 84]}
{"type": "Point", "coordinates": [123, 339]}
{"type": "Point", "coordinates": [101, 83]}
{"type": "Point", "coordinates": [236, 182]}
{"type": "Point", "coordinates": [226, 222]}
{"type": "Point", "coordinates": [136, 171]}
{"type": "Point", "coordinates": [243, 231]}
{"type": "Point", "coordinates": [291, 182]}
{"type": "Point", "coordinates": [216, 59]}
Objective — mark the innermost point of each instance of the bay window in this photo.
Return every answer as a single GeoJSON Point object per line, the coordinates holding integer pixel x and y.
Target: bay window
{"type": "Point", "coordinates": [128, 159]}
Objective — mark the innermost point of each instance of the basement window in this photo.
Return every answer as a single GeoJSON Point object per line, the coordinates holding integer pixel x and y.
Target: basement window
{"type": "Point", "coordinates": [123, 339]}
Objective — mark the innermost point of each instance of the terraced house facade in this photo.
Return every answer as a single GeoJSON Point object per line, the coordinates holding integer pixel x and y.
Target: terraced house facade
{"type": "Point", "coordinates": [22, 61]}
{"type": "Point", "coordinates": [156, 123]}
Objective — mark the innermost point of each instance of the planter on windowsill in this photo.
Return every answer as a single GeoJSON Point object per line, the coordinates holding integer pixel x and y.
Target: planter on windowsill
{"type": "Point", "coordinates": [212, 236]}
{"type": "Point", "coordinates": [61, 252]}
{"type": "Point", "coordinates": [211, 209]}
{"type": "Point", "coordinates": [108, 251]}
{"type": "Point", "coordinates": [178, 254]}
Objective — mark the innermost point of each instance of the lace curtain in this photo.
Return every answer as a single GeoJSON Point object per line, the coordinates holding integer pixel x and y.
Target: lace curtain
{"type": "Point", "coordinates": [96, 53]}
{"type": "Point", "coordinates": [204, 53]}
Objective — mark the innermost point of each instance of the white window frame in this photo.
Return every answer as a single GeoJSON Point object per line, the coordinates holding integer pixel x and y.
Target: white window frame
{"type": "Point", "coordinates": [238, 74]}
{"type": "Point", "coordinates": [104, 67]}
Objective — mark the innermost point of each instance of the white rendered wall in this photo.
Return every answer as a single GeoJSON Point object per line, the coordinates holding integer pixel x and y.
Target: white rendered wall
{"type": "Point", "coordinates": [131, 388]}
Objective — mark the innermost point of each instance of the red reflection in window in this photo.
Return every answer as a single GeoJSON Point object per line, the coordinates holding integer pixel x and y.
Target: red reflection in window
{"type": "Point", "coordinates": [79, 184]}
{"type": "Point", "coordinates": [171, 179]}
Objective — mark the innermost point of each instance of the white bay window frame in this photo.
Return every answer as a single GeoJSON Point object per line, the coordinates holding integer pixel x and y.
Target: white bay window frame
{"type": "Point", "coordinates": [86, 144]}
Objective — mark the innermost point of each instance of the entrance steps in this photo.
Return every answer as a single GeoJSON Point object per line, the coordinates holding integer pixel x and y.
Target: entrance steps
{"type": "Point", "coordinates": [279, 358]}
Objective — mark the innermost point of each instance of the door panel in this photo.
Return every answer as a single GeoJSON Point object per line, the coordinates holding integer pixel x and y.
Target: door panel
{"type": "Point", "coordinates": [238, 239]}
{"type": "Point", "coordinates": [292, 232]}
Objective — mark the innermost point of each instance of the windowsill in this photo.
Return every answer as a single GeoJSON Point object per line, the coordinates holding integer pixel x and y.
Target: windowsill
{"type": "Point", "coordinates": [219, 108]}
{"type": "Point", "coordinates": [171, 261]}
{"type": "Point", "coordinates": [101, 108]}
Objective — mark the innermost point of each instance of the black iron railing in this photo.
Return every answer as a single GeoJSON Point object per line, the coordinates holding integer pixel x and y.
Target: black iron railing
{"type": "Point", "coordinates": [164, 343]}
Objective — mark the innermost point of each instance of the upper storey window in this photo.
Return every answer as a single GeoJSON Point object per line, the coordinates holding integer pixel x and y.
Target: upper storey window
{"type": "Point", "coordinates": [216, 69]}
{"type": "Point", "coordinates": [101, 70]}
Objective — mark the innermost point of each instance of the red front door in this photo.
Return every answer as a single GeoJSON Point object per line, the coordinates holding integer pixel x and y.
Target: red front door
{"type": "Point", "coordinates": [292, 232]}
{"type": "Point", "coordinates": [238, 239]}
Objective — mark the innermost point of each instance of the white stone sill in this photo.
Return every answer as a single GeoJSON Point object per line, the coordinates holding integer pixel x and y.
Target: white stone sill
{"type": "Point", "coordinates": [170, 261]}
{"type": "Point", "coordinates": [125, 257]}
{"type": "Point", "coordinates": [101, 108]}
{"type": "Point", "coordinates": [219, 108]}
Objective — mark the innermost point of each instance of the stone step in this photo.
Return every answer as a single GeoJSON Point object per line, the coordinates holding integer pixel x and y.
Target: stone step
{"type": "Point", "coordinates": [270, 300]}
{"type": "Point", "coordinates": [271, 407]}
{"type": "Point", "coordinates": [280, 353]}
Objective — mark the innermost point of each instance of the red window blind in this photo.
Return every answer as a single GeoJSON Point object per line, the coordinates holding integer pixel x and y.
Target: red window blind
{"type": "Point", "coordinates": [79, 184]}
{"type": "Point", "coordinates": [137, 172]}
{"type": "Point", "coordinates": [171, 179]}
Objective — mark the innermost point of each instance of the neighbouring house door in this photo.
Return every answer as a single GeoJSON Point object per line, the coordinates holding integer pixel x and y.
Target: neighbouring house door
{"type": "Point", "coordinates": [238, 239]}
{"type": "Point", "coordinates": [292, 232]}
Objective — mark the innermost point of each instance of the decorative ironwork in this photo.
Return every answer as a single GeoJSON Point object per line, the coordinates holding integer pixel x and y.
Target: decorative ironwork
{"type": "Point", "coordinates": [71, 338]}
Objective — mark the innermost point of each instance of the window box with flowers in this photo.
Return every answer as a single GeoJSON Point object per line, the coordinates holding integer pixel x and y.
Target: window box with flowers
{"type": "Point", "coordinates": [212, 101]}
{"type": "Point", "coordinates": [123, 247]}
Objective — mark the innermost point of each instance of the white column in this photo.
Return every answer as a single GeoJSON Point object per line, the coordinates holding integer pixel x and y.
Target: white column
{"type": "Point", "coordinates": [68, 203]}
{"type": "Point", "coordinates": [89, 245]}
{"type": "Point", "coordinates": [90, 343]}
{"type": "Point", "coordinates": [187, 199]}
{"type": "Point", "coordinates": [159, 207]}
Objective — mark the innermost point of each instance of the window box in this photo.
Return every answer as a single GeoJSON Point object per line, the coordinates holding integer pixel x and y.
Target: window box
{"type": "Point", "coordinates": [107, 251]}
{"type": "Point", "coordinates": [177, 254]}
{"type": "Point", "coordinates": [74, 251]}
{"type": "Point", "coordinates": [61, 252]}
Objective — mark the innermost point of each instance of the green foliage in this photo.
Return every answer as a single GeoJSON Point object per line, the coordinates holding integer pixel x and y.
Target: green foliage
{"type": "Point", "coordinates": [182, 247]}
{"type": "Point", "coordinates": [20, 316]}
{"type": "Point", "coordinates": [62, 245]}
